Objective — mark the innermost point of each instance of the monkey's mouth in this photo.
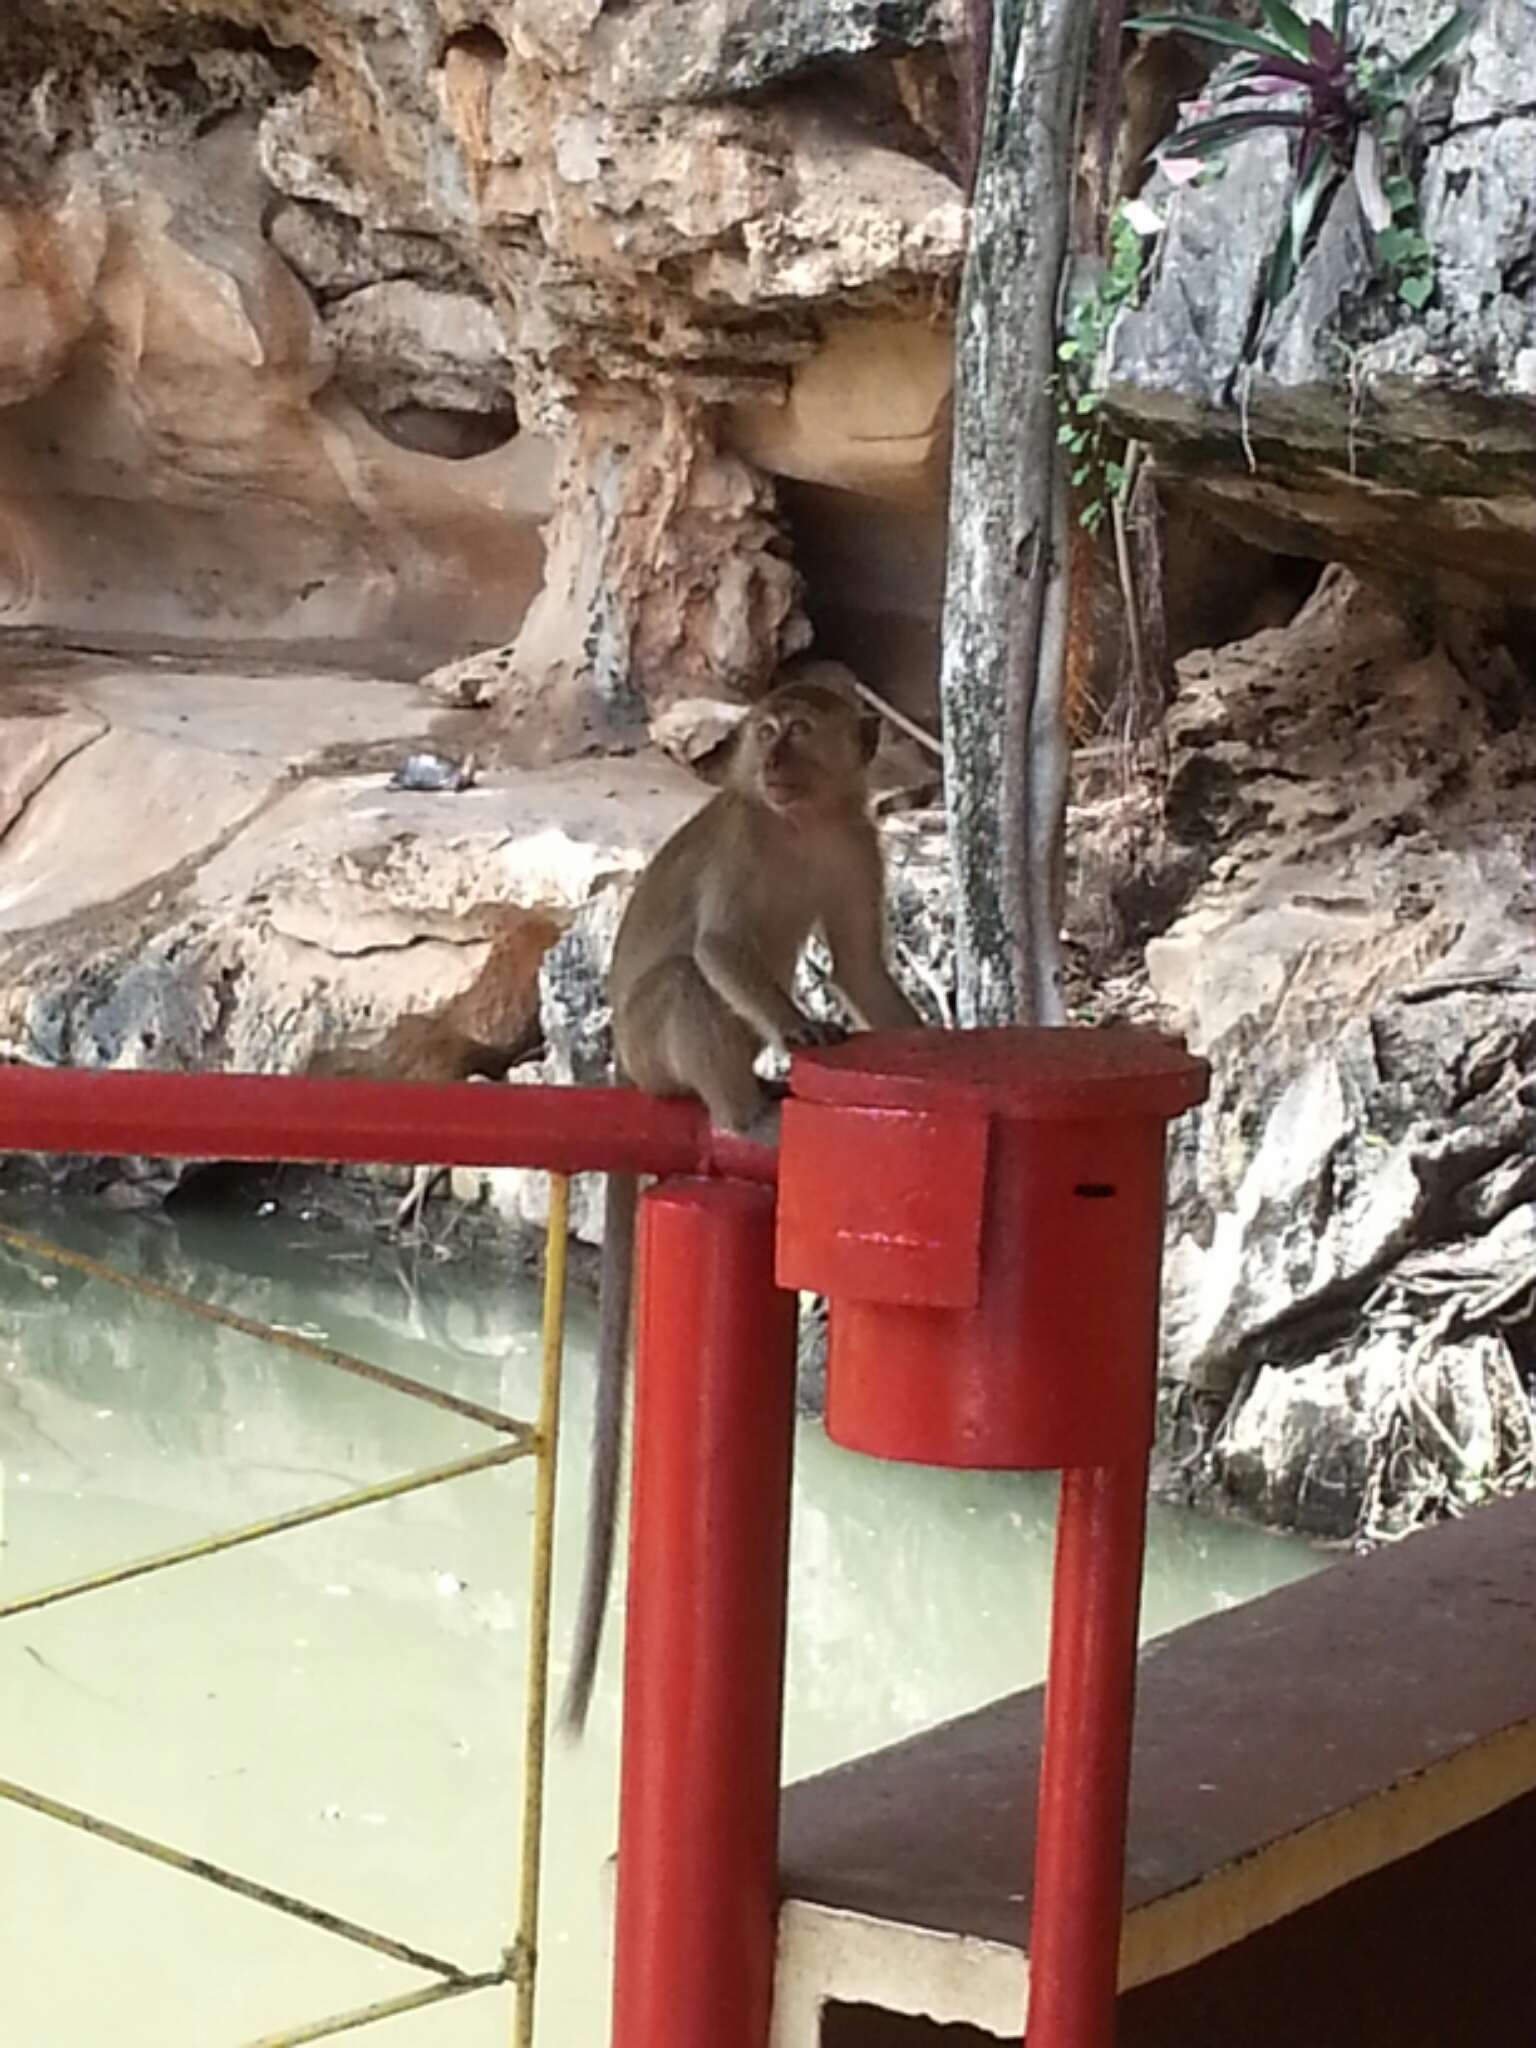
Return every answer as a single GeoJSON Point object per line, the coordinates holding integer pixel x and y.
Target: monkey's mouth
{"type": "Point", "coordinates": [784, 796]}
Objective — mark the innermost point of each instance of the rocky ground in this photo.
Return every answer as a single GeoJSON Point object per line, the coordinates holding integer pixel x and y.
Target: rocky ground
{"type": "Point", "coordinates": [205, 864]}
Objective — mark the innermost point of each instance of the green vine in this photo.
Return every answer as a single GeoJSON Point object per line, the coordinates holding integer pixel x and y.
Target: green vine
{"type": "Point", "coordinates": [1401, 247]}
{"type": "Point", "coordinates": [1098, 468]}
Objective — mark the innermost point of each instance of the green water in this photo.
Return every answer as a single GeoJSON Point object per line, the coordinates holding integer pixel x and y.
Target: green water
{"type": "Point", "coordinates": [337, 1711]}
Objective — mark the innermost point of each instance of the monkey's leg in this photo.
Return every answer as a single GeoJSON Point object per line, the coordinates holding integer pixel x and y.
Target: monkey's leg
{"type": "Point", "coordinates": [680, 1038]}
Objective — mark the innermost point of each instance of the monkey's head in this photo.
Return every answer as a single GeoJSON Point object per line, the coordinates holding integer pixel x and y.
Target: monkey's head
{"type": "Point", "coordinates": [802, 749]}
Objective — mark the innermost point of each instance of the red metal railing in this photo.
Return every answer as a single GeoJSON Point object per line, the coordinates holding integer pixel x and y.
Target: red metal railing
{"type": "Point", "coordinates": [984, 1211]}
{"type": "Point", "coordinates": [714, 1418]}
{"type": "Point", "coordinates": [261, 1117]}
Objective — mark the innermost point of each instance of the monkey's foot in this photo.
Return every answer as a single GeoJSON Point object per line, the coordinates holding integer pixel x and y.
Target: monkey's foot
{"type": "Point", "coordinates": [764, 1127]}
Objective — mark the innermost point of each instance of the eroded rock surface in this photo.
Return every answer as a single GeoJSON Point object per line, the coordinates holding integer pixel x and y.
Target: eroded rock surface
{"type": "Point", "coordinates": [188, 885]}
{"type": "Point", "coordinates": [1361, 430]}
{"type": "Point", "coordinates": [318, 313]}
{"type": "Point", "coordinates": [194, 441]}
{"type": "Point", "coordinates": [1355, 961]}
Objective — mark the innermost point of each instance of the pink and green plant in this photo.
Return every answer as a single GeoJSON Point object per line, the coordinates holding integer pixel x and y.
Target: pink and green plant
{"type": "Point", "coordinates": [1348, 109]}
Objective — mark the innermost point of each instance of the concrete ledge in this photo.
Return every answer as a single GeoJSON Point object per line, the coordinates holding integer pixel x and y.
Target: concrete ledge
{"type": "Point", "coordinates": [1285, 1750]}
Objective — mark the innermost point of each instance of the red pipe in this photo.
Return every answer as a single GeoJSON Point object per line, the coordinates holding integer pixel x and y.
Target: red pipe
{"type": "Point", "coordinates": [697, 1902]}
{"type": "Point", "coordinates": [280, 1116]}
{"type": "Point", "coordinates": [1085, 1764]}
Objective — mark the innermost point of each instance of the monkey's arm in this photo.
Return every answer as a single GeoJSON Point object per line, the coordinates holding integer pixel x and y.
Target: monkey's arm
{"type": "Point", "coordinates": [855, 935]}
{"type": "Point", "coordinates": [738, 975]}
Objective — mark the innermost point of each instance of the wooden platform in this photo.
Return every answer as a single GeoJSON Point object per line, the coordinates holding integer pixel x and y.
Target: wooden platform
{"type": "Point", "coordinates": [1285, 1751]}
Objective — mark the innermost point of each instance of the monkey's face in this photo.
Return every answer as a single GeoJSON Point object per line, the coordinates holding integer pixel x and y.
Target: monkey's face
{"type": "Point", "coordinates": [800, 751]}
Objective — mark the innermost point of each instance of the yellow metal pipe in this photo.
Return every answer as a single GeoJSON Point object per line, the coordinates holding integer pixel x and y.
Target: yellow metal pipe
{"type": "Point", "coordinates": [274, 1525]}
{"type": "Point", "coordinates": [231, 1881]}
{"type": "Point", "coordinates": [381, 2009]}
{"type": "Point", "coordinates": [523, 1961]}
{"type": "Point", "coordinates": [265, 1333]}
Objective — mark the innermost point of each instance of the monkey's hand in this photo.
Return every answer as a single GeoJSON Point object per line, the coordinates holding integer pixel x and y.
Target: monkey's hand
{"type": "Point", "coordinates": [813, 1031]}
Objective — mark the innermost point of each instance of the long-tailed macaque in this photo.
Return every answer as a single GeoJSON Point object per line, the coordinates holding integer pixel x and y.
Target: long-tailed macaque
{"type": "Point", "coordinates": [700, 984]}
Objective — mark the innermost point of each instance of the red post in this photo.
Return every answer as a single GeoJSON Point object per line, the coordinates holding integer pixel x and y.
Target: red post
{"type": "Point", "coordinates": [1085, 1765]}
{"type": "Point", "coordinates": [984, 1211]}
{"type": "Point", "coordinates": [697, 1901]}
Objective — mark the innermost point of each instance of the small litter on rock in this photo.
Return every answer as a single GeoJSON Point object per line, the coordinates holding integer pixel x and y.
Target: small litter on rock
{"type": "Point", "coordinates": [434, 772]}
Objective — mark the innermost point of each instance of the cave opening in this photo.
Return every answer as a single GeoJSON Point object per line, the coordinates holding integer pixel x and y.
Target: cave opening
{"type": "Point", "coordinates": [480, 41]}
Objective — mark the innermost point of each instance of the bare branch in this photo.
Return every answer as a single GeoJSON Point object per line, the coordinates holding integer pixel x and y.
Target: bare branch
{"type": "Point", "coordinates": [900, 719]}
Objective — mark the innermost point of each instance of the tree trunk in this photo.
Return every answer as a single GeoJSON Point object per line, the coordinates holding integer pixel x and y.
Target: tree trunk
{"type": "Point", "coordinates": [1005, 604]}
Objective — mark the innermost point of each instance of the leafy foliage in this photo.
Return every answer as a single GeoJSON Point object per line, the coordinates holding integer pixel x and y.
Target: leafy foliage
{"type": "Point", "coordinates": [1098, 470]}
{"type": "Point", "coordinates": [1347, 109]}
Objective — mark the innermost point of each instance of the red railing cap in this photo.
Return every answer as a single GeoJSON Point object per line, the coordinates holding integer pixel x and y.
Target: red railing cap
{"type": "Point", "coordinates": [1024, 1072]}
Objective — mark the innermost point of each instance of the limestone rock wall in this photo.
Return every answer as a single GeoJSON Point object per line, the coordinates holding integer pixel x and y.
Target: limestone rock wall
{"type": "Point", "coordinates": [1348, 851]}
{"type": "Point", "coordinates": [197, 438]}
{"type": "Point", "coordinates": [329, 321]}
{"type": "Point", "coordinates": [1402, 442]}
{"type": "Point", "coordinates": [210, 868]}
{"type": "Point", "coordinates": [1338, 879]}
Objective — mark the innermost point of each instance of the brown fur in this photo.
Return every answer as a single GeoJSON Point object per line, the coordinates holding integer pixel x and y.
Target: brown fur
{"type": "Point", "coordinates": [706, 954]}
{"type": "Point", "coordinates": [700, 983]}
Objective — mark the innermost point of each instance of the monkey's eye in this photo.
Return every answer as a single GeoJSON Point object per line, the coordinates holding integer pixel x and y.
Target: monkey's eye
{"type": "Point", "coordinates": [797, 728]}
{"type": "Point", "coordinates": [767, 734]}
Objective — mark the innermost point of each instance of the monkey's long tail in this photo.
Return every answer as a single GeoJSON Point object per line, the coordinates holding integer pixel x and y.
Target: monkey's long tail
{"type": "Point", "coordinates": [616, 1288]}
